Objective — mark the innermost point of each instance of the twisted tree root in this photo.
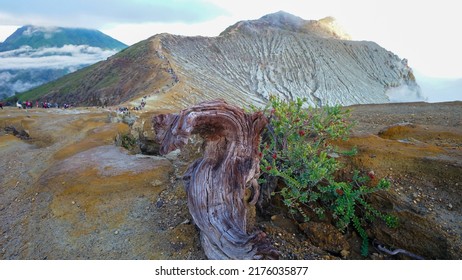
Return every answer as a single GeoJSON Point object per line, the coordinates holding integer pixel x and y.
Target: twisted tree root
{"type": "Point", "coordinates": [215, 184]}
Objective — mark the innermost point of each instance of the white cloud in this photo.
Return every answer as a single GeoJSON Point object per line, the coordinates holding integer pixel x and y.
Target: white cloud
{"type": "Point", "coordinates": [48, 31]}
{"type": "Point", "coordinates": [20, 86]}
{"type": "Point", "coordinates": [52, 58]}
{"type": "Point", "coordinates": [9, 85]}
{"type": "Point", "coordinates": [5, 77]}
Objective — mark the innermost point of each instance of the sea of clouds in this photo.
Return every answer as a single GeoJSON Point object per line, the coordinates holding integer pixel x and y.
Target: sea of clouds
{"type": "Point", "coordinates": [19, 64]}
{"type": "Point", "coordinates": [9, 85]}
{"type": "Point", "coordinates": [54, 57]}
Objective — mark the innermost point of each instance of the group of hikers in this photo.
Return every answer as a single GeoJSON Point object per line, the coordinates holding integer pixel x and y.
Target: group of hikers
{"type": "Point", "coordinates": [126, 110]}
{"type": "Point", "coordinates": [29, 105]}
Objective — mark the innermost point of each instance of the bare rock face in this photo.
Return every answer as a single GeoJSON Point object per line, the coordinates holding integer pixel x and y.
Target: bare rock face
{"type": "Point", "coordinates": [284, 55]}
{"type": "Point", "coordinates": [217, 182]}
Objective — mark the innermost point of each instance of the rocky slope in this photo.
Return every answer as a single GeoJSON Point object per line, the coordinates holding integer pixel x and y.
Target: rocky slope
{"type": "Point", "coordinates": [277, 54]}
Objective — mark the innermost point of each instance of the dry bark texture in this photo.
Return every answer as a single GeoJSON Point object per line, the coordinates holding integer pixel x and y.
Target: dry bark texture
{"type": "Point", "coordinates": [216, 183]}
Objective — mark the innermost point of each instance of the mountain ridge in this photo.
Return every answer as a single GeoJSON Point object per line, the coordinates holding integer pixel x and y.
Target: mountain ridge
{"type": "Point", "coordinates": [245, 64]}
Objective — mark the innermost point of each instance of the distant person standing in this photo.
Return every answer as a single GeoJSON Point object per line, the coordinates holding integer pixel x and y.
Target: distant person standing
{"type": "Point", "coordinates": [1, 105]}
{"type": "Point", "coordinates": [19, 105]}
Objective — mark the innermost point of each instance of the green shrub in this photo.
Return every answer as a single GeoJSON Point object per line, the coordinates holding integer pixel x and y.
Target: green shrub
{"type": "Point", "coordinates": [298, 149]}
{"type": "Point", "coordinates": [127, 141]}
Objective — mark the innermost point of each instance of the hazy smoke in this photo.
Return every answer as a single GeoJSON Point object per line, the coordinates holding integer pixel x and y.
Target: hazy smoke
{"type": "Point", "coordinates": [440, 90]}
{"type": "Point", "coordinates": [404, 93]}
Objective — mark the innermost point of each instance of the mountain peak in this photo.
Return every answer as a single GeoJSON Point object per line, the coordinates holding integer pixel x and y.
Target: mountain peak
{"type": "Point", "coordinates": [282, 18]}
{"type": "Point", "coordinates": [326, 27]}
{"type": "Point", "coordinates": [53, 36]}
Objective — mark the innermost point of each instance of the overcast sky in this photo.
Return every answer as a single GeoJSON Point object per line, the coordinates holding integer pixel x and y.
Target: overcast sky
{"type": "Point", "coordinates": [427, 32]}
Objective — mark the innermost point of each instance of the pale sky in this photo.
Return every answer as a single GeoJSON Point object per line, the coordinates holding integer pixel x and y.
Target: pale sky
{"type": "Point", "coordinates": [426, 32]}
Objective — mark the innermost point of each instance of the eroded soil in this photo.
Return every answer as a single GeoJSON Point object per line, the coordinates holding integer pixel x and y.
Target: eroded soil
{"type": "Point", "coordinates": [68, 192]}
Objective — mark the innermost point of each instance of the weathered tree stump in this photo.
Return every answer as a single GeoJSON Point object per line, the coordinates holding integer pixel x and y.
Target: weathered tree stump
{"type": "Point", "coordinates": [216, 183]}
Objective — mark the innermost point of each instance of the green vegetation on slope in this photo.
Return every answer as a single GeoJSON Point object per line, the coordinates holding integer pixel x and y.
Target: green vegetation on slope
{"type": "Point", "coordinates": [297, 150]}
{"type": "Point", "coordinates": [79, 87]}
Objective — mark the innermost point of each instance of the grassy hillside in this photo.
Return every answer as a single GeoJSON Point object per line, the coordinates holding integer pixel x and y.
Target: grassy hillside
{"type": "Point", "coordinates": [133, 71]}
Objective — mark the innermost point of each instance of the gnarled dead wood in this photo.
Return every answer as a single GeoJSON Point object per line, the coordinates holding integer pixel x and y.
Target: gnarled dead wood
{"type": "Point", "coordinates": [216, 183]}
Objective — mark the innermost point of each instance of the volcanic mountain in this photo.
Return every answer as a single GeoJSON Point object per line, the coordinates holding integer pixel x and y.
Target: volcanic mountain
{"type": "Point", "coordinates": [278, 54]}
{"type": "Point", "coordinates": [34, 55]}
